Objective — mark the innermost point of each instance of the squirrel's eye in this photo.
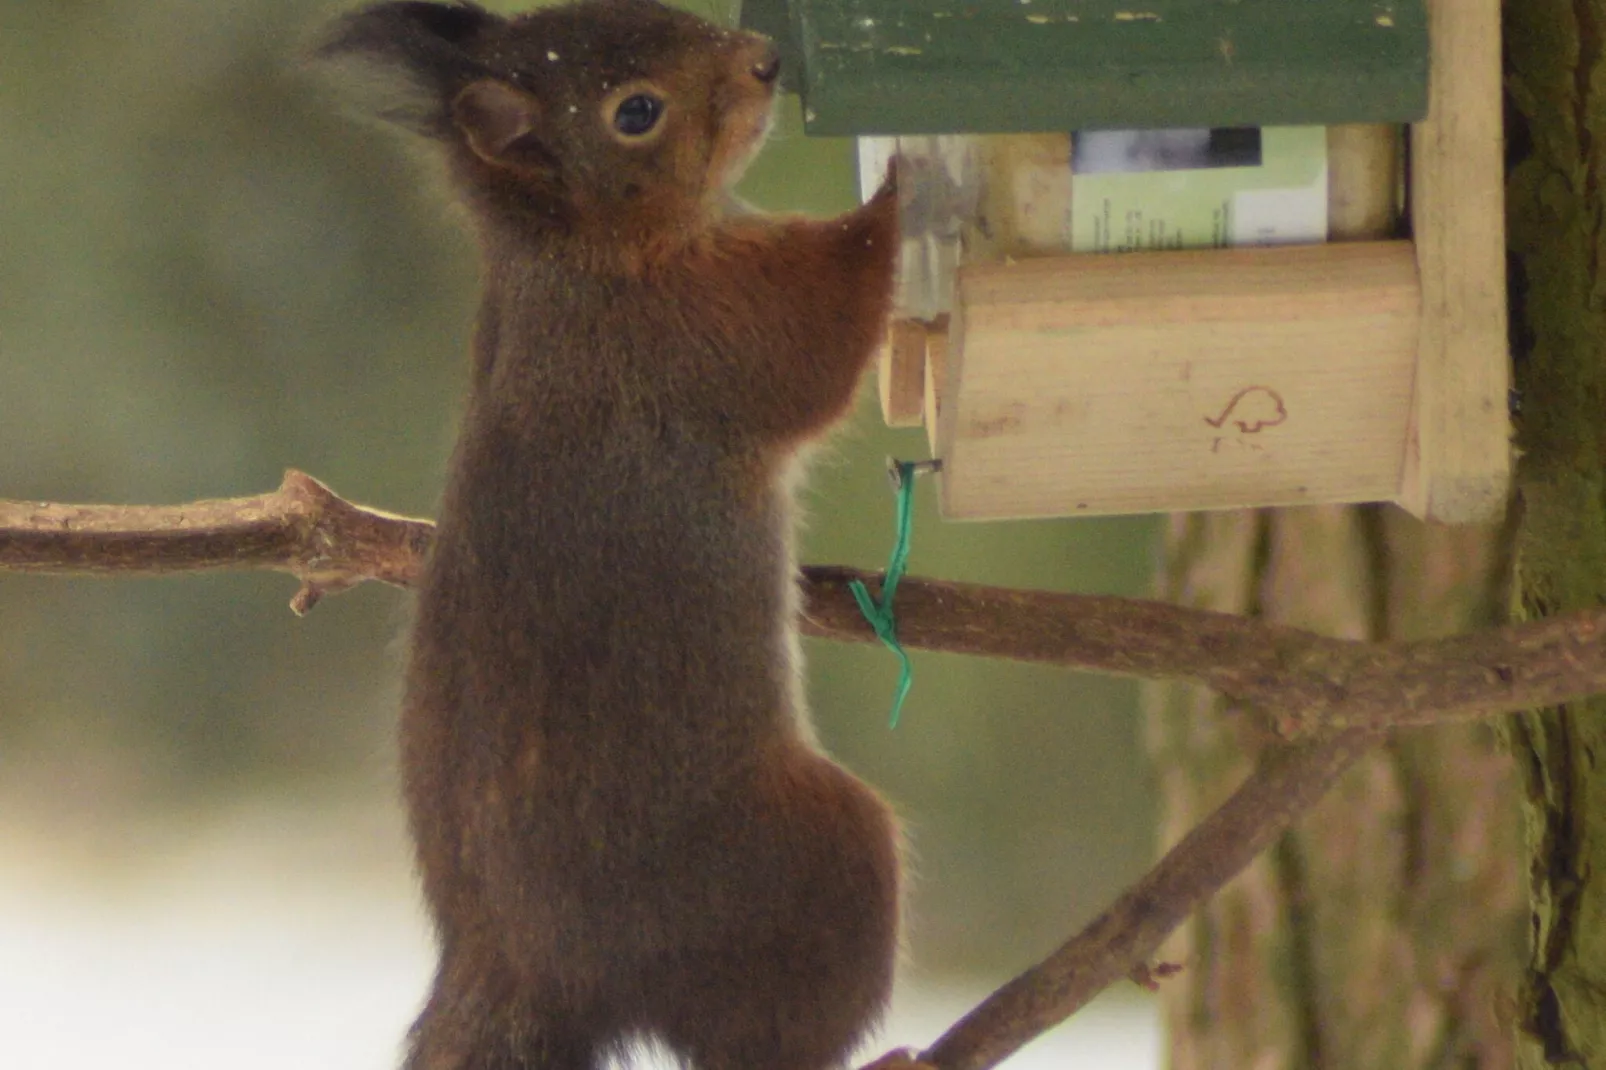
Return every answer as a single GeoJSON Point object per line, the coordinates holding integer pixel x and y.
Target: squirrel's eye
{"type": "Point", "coordinates": [637, 114]}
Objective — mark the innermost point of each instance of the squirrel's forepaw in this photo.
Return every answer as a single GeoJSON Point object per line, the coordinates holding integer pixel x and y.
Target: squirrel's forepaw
{"type": "Point", "coordinates": [881, 212]}
{"type": "Point", "coordinates": [888, 189]}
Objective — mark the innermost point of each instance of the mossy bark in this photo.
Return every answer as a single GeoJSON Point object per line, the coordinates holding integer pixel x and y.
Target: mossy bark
{"type": "Point", "coordinates": [1556, 82]}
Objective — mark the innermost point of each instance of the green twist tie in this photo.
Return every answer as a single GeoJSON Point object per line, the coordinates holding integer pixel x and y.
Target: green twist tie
{"type": "Point", "coordinates": [879, 614]}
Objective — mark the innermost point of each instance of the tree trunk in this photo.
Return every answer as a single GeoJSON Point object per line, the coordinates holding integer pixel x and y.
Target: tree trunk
{"type": "Point", "coordinates": [1557, 138]}
{"type": "Point", "coordinates": [1386, 930]}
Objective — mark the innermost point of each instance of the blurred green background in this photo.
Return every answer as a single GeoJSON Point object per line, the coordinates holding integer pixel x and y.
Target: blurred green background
{"type": "Point", "coordinates": [208, 274]}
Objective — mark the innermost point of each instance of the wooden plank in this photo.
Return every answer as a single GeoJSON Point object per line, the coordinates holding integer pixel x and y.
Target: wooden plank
{"type": "Point", "coordinates": [1021, 208]}
{"type": "Point", "coordinates": [1458, 457]}
{"type": "Point", "coordinates": [1205, 379]}
{"type": "Point", "coordinates": [936, 385]}
{"type": "Point", "coordinates": [901, 374]}
{"type": "Point", "coordinates": [1024, 204]}
{"type": "Point", "coordinates": [890, 66]}
{"type": "Point", "coordinates": [1363, 182]}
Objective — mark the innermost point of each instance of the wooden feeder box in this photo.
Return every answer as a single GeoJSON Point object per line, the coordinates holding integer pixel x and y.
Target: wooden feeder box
{"type": "Point", "coordinates": [1373, 367]}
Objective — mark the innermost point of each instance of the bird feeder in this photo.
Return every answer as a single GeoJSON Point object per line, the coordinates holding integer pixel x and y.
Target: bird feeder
{"type": "Point", "coordinates": [1362, 357]}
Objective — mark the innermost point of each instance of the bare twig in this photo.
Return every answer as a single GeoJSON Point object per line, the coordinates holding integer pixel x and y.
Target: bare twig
{"type": "Point", "coordinates": [1307, 683]}
{"type": "Point", "coordinates": [303, 528]}
{"type": "Point", "coordinates": [1290, 778]}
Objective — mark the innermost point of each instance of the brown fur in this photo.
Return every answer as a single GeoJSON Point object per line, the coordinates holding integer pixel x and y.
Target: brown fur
{"type": "Point", "coordinates": [623, 827]}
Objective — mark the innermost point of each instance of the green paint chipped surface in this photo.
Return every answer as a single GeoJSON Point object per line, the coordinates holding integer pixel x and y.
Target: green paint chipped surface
{"type": "Point", "coordinates": [887, 66]}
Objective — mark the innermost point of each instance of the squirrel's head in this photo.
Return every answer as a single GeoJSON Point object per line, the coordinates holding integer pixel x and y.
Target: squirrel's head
{"type": "Point", "coordinates": [603, 110]}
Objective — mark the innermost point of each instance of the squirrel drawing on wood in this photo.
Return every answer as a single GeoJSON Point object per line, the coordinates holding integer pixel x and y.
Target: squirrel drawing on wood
{"type": "Point", "coordinates": [624, 827]}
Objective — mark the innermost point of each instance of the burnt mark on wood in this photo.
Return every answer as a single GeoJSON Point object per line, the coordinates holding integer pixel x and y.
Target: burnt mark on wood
{"type": "Point", "coordinates": [1252, 409]}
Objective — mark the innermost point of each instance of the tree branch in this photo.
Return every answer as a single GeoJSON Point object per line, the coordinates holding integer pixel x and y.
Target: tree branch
{"type": "Point", "coordinates": [1290, 778]}
{"type": "Point", "coordinates": [303, 528]}
{"type": "Point", "coordinates": [1331, 697]}
{"type": "Point", "coordinates": [1305, 683]}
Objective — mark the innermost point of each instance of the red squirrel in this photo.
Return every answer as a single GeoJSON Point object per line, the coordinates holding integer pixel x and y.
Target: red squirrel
{"type": "Point", "coordinates": [624, 827]}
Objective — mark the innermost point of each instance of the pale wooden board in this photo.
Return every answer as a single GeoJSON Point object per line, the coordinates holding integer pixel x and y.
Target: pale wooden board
{"type": "Point", "coordinates": [1458, 457]}
{"type": "Point", "coordinates": [980, 197]}
{"type": "Point", "coordinates": [936, 385]}
{"type": "Point", "coordinates": [1363, 182]}
{"type": "Point", "coordinates": [1092, 384]}
{"type": "Point", "coordinates": [901, 373]}
{"type": "Point", "coordinates": [1024, 201]}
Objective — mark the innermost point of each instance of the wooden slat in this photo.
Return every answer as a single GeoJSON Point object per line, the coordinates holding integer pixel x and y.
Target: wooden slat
{"type": "Point", "coordinates": [1024, 204]}
{"type": "Point", "coordinates": [901, 374]}
{"type": "Point", "coordinates": [1458, 458]}
{"type": "Point", "coordinates": [936, 385]}
{"type": "Point", "coordinates": [1173, 381]}
{"type": "Point", "coordinates": [1363, 182]}
{"type": "Point", "coordinates": [1023, 209]}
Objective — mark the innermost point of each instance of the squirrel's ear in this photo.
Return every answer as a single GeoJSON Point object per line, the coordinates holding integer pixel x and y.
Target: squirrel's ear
{"type": "Point", "coordinates": [503, 126]}
{"type": "Point", "coordinates": [405, 61]}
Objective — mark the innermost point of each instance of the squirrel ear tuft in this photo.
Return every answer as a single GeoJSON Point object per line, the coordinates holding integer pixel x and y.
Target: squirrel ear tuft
{"type": "Point", "coordinates": [405, 61]}
{"type": "Point", "coordinates": [502, 126]}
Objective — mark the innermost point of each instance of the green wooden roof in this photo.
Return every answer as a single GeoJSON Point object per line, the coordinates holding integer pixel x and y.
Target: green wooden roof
{"type": "Point", "coordinates": [950, 66]}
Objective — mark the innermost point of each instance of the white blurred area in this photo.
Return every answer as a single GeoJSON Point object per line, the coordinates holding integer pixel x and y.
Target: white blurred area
{"type": "Point", "coordinates": [288, 936]}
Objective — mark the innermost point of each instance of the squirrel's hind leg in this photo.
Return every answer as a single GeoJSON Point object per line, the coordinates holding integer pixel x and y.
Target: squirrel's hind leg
{"type": "Point", "coordinates": [806, 977]}
{"type": "Point", "coordinates": [474, 1019]}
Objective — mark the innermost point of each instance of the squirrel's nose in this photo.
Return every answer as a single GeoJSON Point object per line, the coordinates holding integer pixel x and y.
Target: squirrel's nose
{"type": "Point", "coordinates": [768, 68]}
